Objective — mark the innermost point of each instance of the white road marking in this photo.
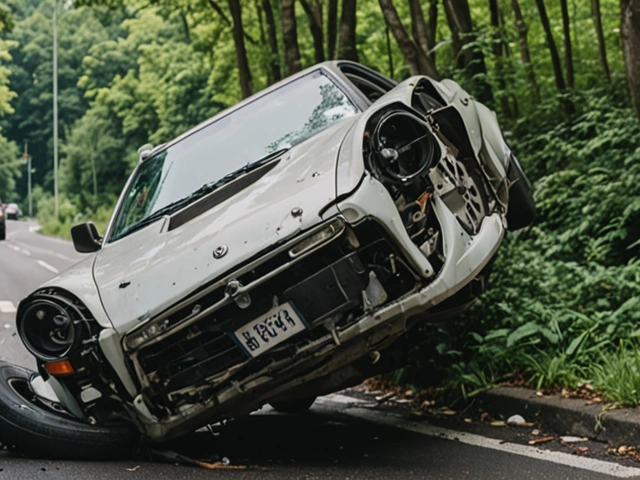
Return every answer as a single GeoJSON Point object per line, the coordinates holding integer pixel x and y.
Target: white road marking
{"type": "Point", "coordinates": [345, 407]}
{"type": "Point", "coordinates": [64, 257]}
{"type": "Point", "coordinates": [7, 307]}
{"type": "Point", "coordinates": [26, 252]}
{"type": "Point", "coordinates": [14, 247]}
{"type": "Point", "coordinates": [47, 266]}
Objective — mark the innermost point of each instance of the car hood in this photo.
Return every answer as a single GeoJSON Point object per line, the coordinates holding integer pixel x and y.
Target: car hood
{"type": "Point", "coordinates": [146, 272]}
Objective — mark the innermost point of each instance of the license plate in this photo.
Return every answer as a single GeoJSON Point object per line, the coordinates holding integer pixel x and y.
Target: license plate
{"type": "Point", "coordinates": [267, 331]}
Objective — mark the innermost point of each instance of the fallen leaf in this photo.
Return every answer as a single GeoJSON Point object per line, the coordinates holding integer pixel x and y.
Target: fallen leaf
{"type": "Point", "coordinates": [137, 467]}
{"type": "Point", "coordinates": [448, 412]}
{"type": "Point", "coordinates": [498, 423]}
{"type": "Point", "coordinates": [536, 441]}
{"type": "Point", "coordinates": [580, 450]}
{"type": "Point", "coordinates": [467, 420]}
{"type": "Point", "coordinates": [485, 417]}
{"type": "Point", "coordinates": [535, 432]}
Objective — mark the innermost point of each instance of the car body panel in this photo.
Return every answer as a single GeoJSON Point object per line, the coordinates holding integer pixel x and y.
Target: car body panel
{"type": "Point", "coordinates": [165, 266]}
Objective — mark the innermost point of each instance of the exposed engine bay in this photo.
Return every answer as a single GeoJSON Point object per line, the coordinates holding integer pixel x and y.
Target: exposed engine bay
{"type": "Point", "coordinates": [415, 161]}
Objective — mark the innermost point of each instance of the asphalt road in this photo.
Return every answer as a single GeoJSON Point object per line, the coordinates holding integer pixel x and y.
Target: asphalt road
{"type": "Point", "coordinates": [345, 436]}
{"type": "Point", "coordinates": [27, 260]}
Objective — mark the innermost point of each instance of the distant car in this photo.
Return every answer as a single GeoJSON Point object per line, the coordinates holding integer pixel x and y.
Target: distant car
{"type": "Point", "coordinates": [3, 223]}
{"type": "Point", "coordinates": [284, 249]}
{"type": "Point", "coordinates": [13, 211]}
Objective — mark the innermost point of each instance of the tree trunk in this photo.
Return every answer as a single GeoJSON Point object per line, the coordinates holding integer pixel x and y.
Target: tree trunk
{"type": "Point", "coordinates": [290, 36]}
{"type": "Point", "coordinates": [419, 62]}
{"type": "Point", "coordinates": [499, 52]}
{"type": "Point", "coordinates": [630, 35]}
{"type": "Point", "coordinates": [551, 44]}
{"type": "Point", "coordinates": [314, 15]}
{"type": "Point", "coordinates": [432, 27]}
{"type": "Point", "coordinates": [347, 42]}
{"type": "Point", "coordinates": [455, 35]}
{"type": "Point", "coordinates": [602, 50]}
{"type": "Point", "coordinates": [218, 9]}
{"type": "Point", "coordinates": [389, 53]}
{"type": "Point", "coordinates": [241, 52]}
{"type": "Point", "coordinates": [523, 44]}
{"type": "Point", "coordinates": [419, 27]}
{"type": "Point", "coordinates": [568, 55]}
{"type": "Point", "coordinates": [332, 27]}
{"type": "Point", "coordinates": [274, 62]}
{"type": "Point", "coordinates": [470, 59]}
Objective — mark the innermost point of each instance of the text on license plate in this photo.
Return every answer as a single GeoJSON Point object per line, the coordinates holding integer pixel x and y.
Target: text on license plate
{"type": "Point", "coordinates": [267, 331]}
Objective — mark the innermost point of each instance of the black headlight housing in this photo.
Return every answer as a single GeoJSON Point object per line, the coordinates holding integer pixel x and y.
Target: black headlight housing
{"type": "Point", "coordinates": [51, 325]}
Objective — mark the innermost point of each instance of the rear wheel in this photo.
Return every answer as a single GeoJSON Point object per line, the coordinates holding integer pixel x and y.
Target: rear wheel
{"type": "Point", "coordinates": [40, 429]}
{"type": "Point", "coordinates": [3, 234]}
{"type": "Point", "coordinates": [294, 406]}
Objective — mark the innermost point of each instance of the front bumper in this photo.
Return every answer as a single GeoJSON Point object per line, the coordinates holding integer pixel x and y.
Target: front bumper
{"type": "Point", "coordinates": [242, 386]}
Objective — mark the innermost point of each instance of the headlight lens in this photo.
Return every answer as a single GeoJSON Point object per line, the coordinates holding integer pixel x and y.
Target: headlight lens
{"type": "Point", "coordinates": [47, 329]}
{"type": "Point", "coordinates": [322, 236]}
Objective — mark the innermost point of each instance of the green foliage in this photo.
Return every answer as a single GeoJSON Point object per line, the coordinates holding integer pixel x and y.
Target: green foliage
{"type": "Point", "coordinates": [564, 292]}
{"type": "Point", "coordinates": [617, 374]}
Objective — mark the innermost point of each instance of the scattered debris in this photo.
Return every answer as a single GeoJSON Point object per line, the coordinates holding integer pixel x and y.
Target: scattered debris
{"type": "Point", "coordinates": [516, 419]}
{"type": "Point", "coordinates": [624, 451]}
{"type": "Point", "coordinates": [173, 457]}
{"type": "Point", "coordinates": [535, 432]}
{"type": "Point", "coordinates": [137, 467]}
{"type": "Point", "coordinates": [519, 421]}
{"type": "Point", "coordinates": [537, 441]}
{"type": "Point", "coordinates": [385, 397]}
{"type": "Point", "coordinates": [570, 439]}
{"type": "Point", "coordinates": [539, 393]}
{"type": "Point", "coordinates": [498, 423]}
{"type": "Point", "coordinates": [580, 450]}
{"type": "Point", "coordinates": [467, 420]}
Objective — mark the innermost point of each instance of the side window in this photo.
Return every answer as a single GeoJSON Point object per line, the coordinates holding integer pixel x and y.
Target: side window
{"type": "Point", "coordinates": [370, 83]}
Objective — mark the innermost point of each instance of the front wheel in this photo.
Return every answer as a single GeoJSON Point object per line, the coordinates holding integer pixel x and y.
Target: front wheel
{"type": "Point", "coordinates": [38, 430]}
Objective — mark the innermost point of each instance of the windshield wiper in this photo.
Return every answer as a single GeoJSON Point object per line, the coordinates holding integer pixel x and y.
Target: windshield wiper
{"type": "Point", "coordinates": [201, 192]}
{"type": "Point", "coordinates": [210, 187]}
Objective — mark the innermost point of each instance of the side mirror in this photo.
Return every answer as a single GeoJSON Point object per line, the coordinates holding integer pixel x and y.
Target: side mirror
{"type": "Point", "coordinates": [86, 238]}
{"type": "Point", "coordinates": [144, 151]}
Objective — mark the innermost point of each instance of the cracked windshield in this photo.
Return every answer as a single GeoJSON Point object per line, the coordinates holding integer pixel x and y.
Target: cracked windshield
{"type": "Point", "coordinates": [278, 121]}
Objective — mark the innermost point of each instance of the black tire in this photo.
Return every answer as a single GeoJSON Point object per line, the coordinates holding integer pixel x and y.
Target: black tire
{"type": "Point", "coordinates": [38, 431]}
{"type": "Point", "coordinates": [299, 405]}
{"type": "Point", "coordinates": [3, 234]}
{"type": "Point", "coordinates": [522, 208]}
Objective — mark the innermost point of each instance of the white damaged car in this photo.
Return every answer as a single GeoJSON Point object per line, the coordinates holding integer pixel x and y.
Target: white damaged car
{"type": "Point", "coordinates": [282, 250]}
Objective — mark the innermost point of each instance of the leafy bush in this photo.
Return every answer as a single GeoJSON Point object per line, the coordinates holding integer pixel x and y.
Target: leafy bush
{"type": "Point", "coordinates": [565, 292]}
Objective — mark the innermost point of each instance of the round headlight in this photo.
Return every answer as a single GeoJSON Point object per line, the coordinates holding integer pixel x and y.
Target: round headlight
{"type": "Point", "coordinates": [47, 329]}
